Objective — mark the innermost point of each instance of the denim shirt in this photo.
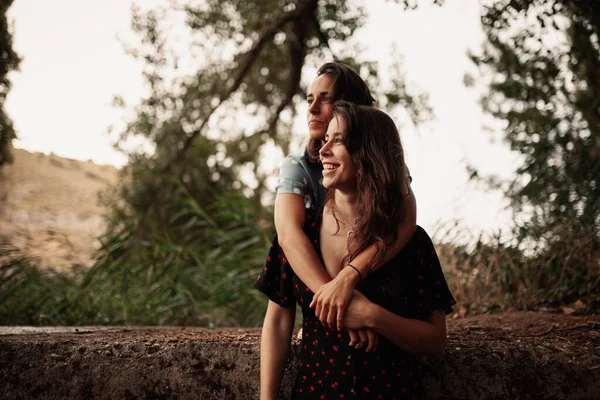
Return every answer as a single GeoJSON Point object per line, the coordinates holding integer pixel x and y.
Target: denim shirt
{"type": "Point", "coordinates": [299, 176]}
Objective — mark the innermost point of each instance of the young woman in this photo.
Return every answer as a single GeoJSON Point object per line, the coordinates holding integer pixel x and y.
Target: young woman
{"type": "Point", "coordinates": [299, 189]}
{"type": "Point", "coordinates": [404, 301]}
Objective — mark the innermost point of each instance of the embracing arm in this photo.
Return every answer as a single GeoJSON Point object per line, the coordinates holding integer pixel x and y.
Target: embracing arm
{"type": "Point", "coordinates": [364, 261]}
{"type": "Point", "coordinates": [330, 301]}
{"type": "Point", "coordinates": [413, 335]}
{"type": "Point", "coordinates": [299, 251]}
{"type": "Point", "coordinates": [276, 336]}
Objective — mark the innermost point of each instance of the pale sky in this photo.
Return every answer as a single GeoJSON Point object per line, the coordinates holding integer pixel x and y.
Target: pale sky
{"type": "Point", "coordinates": [73, 65]}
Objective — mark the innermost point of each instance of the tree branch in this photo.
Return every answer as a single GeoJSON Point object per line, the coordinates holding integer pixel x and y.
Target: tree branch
{"type": "Point", "coordinates": [297, 53]}
{"type": "Point", "coordinates": [267, 33]}
{"type": "Point", "coordinates": [322, 36]}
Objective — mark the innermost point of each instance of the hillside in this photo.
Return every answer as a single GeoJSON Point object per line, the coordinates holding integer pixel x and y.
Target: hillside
{"type": "Point", "coordinates": [49, 207]}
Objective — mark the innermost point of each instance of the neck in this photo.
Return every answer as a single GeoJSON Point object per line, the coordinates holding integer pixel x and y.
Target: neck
{"type": "Point", "coordinates": [346, 205]}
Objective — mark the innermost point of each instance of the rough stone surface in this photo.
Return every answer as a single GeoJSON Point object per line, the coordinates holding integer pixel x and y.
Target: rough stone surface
{"type": "Point", "coordinates": [519, 355]}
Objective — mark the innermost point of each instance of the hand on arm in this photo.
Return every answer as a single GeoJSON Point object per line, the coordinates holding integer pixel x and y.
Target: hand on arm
{"type": "Point", "coordinates": [300, 253]}
{"type": "Point", "coordinates": [332, 298]}
{"type": "Point", "coordinates": [364, 338]}
{"type": "Point", "coordinates": [276, 336]}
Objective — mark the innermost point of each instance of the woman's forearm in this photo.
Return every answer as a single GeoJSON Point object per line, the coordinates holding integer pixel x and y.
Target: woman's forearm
{"type": "Point", "coordinates": [274, 348]}
{"type": "Point", "coordinates": [299, 251]}
{"type": "Point", "coordinates": [304, 260]}
{"type": "Point", "coordinates": [413, 335]}
{"type": "Point", "coordinates": [364, 261]}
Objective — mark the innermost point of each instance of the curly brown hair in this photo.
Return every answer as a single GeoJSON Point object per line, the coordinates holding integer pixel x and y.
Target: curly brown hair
{"type": "Point", "coordinates": [382, 182]}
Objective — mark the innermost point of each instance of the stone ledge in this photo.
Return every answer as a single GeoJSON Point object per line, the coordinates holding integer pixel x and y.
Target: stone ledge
{"type": "Point", "coordinates": [517, 356]}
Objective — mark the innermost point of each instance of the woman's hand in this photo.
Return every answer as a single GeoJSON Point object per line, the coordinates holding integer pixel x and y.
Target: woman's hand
{"type": "Point", "coordinates": [361, 338]}
{"type": "Point", "coordinates": [356, 320]}
{"type": "Point", "coordinates": [359, 312]}
{"type": "Point", "coordinates": [332, 298]}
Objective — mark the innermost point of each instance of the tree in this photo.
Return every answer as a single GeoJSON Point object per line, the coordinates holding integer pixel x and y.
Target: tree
{"type": "Point", "coordinates": [264, 66]}
{"type": "Point", "coordinates": [541, 62]}
{"type": "Point", "coordinates": [188, 119]}
{"type": "Point", "coordinates": [9, 60]}
{"type": "Point", "coordinates": [249, 61]}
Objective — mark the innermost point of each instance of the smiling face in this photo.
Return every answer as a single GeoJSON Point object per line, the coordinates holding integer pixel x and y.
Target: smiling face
{"type": "Point", "coordinates": [320, 105]}
{"type": "Point", "coordinates": [339, 171]}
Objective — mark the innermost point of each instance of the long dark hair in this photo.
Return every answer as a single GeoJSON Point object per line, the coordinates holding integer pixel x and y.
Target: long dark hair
{"type": "Point", "coordinates": [382, 185]}
{"type": "Point", "coordinates": [349, 86]}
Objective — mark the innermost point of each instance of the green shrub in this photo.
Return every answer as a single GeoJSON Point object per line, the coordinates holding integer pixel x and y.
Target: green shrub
{"type": "Point", "coordinates": [203, 277]}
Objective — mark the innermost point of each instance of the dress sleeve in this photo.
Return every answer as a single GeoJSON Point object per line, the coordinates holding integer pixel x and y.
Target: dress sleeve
{"type": "Point", "coordinates": [275, 279]}
{"type": "Point", "coordinates": [433, 291]}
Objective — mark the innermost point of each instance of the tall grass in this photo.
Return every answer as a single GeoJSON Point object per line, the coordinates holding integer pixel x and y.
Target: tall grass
{"type": "Point", "coordinates": [494, 274]}
{"type": "Point", "coordinates": [29, 294]}
{"type": "Point", "coordinates": [200, 272]}
{"type": "Point", "coordinates": [203, 277]}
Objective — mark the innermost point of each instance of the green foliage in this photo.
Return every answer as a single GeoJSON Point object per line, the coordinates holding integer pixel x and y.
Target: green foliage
{"type": "Point", "coordinates": [9, 61]}
{"type": "Point", "coordinates": [186, 234]}
{"type": "Point", "coordinates": [26, 291]}
{"type": "Point", "coordinates": [258, 78]}
{"type": "Point", "coordinates": [202, 276]}
{"type": "Point", "coordinates": [542, 63]}
{"type": "Point", "coordinates": [200, 148]}
{"type": "Point", "coordinates": [545, 83]}
{"type": "Point", "coordinates": [197, 268]}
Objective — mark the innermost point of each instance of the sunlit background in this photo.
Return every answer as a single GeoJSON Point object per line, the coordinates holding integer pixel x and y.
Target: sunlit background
{"type": "Point", "coordinates": [179, 235]}
{"type": "Point", "coordinates": [74, 63]}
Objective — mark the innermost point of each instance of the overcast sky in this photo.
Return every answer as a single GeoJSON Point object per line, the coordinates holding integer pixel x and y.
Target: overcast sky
{"type": "Point", "coordinates": [73, 65]}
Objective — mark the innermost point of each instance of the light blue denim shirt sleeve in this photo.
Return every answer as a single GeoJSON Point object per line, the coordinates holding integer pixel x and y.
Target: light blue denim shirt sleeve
{"type": "Point", "coordinates": [293, 179]}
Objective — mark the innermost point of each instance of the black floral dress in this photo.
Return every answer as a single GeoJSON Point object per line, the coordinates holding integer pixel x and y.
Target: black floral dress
{"type": "Point", "coordinates": [411, 285]}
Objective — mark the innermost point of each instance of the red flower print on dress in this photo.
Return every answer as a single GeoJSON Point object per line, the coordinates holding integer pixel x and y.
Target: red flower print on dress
{"type": "Point", "coordinates": [385, 373]}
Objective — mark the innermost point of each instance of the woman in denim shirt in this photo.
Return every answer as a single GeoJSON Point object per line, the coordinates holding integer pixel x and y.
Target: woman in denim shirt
{"type": "Point", "coordinates": [299, 191]}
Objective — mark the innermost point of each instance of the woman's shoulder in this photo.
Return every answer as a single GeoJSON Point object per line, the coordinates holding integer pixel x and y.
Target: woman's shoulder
{"type": "Point", "coordinates": [413, 280]}
{"type": "Point", "coordinates": [294, 168]}
{"type": "Point", "coordinates": [297, 174]}
{"type": "Point", "coordinates": [300, 160]}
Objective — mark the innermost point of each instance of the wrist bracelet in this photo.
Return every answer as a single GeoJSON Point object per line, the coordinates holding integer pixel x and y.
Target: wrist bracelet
{"type": "Point", "coordinates": [356, 269]}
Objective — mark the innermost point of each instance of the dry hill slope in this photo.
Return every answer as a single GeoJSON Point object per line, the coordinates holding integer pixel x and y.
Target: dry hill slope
{"type": "Point", "coordinates": [49, 207]}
